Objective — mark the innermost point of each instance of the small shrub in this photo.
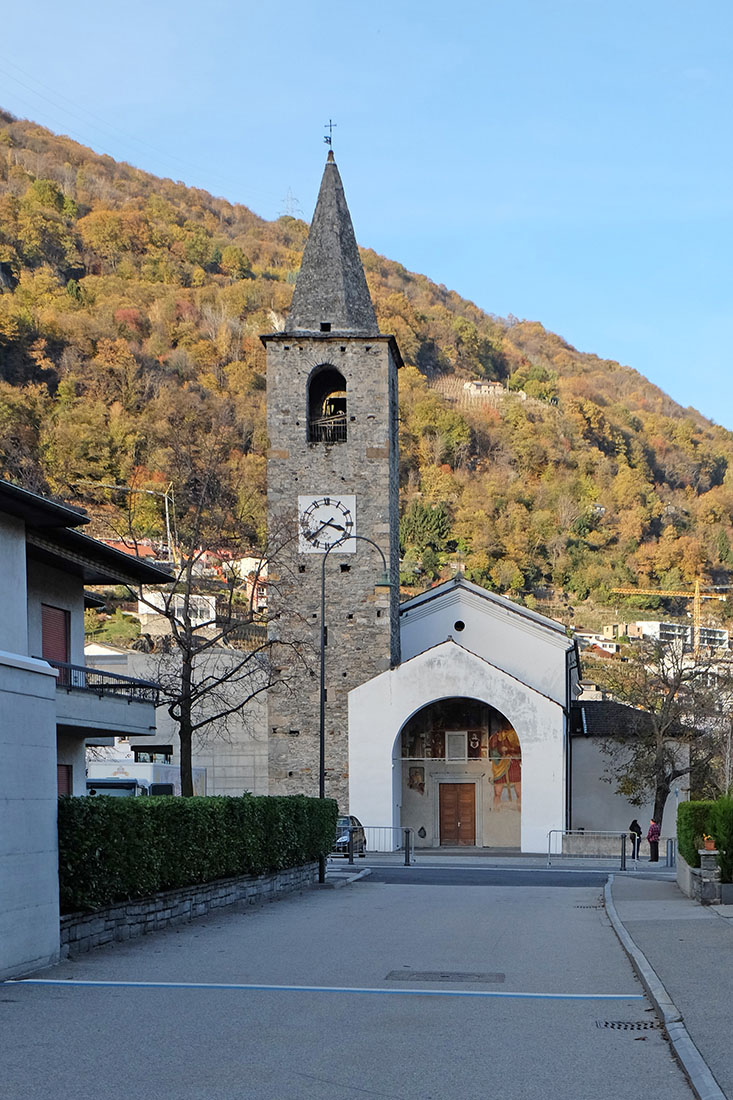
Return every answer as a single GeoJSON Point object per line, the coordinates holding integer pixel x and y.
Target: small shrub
{"type": "Point", "coordinates": [115, 849]}
{"type": "Point", "coordinates": [693, 822]}
{"type": "Point", "coordinates": [721, 827]}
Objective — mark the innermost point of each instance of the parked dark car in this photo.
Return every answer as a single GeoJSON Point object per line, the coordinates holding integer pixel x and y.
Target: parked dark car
{"type": "Point", "coordinates": [344, 825]}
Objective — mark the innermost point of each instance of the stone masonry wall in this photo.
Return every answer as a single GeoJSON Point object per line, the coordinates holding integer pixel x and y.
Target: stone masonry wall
{"type": "Point", "coordinates": [362, 623]}
{"type": "Point", "coordinates": [81, 932]}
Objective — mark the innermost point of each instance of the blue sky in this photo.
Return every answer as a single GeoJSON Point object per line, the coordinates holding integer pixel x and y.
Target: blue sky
{"type": "Point", "coordinates": [565, 161]}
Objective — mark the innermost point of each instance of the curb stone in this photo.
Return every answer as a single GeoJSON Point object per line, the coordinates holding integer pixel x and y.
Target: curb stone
{"type": "Point", "coordinates": [693, 1064]}
{"type": "Point", "coordinates": [341, 879]}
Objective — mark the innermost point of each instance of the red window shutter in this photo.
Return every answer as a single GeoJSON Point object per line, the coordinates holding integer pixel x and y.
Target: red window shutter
{"type": "Point", "coordinates": [55, 622]}
{"type": "Point", "coordinates": [65, 778]}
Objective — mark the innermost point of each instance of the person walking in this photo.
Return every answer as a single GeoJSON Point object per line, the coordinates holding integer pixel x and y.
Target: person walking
{"type": "Point", "coordinates": [635, 833]}
{"type": "Point", "coordinates": [653, 838]}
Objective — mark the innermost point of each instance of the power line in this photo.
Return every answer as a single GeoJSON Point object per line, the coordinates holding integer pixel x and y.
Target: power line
{"type": "Point", "coordinates": [290, 207]}
{"type": "Point", "coordinates": [95, 123]}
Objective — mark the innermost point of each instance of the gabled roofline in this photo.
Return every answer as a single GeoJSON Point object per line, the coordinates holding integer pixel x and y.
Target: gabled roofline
{"type": "Point", "coordinates": [51, 535]}
{"type": "Point", "coordinates": [94, 562]}
{"type": "Point", "coordinates": [475, 656]}
{"type": "Point", "coordinates": [37, 510]}
{"type": "Point", "coordinates": [459, 582]}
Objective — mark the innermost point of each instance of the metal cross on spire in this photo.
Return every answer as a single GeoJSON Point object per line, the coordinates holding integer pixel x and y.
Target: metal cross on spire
{"type": "Point", "coordinates": [329, 136]}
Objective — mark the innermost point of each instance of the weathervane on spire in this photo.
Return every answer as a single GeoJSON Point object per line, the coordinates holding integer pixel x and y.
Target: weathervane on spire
{"type": "Point", "coordinates": [329, 136]}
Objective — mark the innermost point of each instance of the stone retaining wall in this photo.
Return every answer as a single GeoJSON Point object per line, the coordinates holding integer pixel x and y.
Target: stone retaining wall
{"type": "Point", "coordinates": [126, 920]}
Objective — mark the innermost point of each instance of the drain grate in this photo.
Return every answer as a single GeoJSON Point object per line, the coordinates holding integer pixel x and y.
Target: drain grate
{"type": "Point", "coordinates": [630, 1025]}
{"type": "Point", "coordinates": [443, 976]}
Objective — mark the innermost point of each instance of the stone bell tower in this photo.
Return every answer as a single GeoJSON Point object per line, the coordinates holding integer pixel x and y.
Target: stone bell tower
{"type": "Point", "coordinates": [332, 477]}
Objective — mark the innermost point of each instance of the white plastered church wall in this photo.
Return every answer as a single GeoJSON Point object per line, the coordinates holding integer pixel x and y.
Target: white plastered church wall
{"type": "Point", "coordinates": [379, 708]}
{"type": "Point", "coordinates": [523, 643]}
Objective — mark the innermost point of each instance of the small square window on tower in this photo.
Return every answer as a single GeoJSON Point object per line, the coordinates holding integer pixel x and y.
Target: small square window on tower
{"type": "Point", "coordinates": [325, 326]}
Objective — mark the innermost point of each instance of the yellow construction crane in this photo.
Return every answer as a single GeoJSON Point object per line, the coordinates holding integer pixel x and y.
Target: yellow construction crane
{"type": "Point", "coordinates": [697, 597]}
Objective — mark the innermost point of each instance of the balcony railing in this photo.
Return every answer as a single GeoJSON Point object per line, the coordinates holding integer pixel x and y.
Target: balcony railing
{"type": "Point", "coordinates": [327, 429]}
{"type": "Point", "coordinates": [95, 682]}
{"type": "Point", "coordinates": [243, 634]}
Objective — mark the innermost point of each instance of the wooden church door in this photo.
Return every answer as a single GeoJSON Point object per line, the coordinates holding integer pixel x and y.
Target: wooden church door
{"type": "Point", "coordinates": [457, 814]}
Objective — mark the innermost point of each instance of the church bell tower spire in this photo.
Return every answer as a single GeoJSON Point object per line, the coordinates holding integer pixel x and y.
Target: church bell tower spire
{"type": "Point", "coordinates": [332, 488]}
{"type": "Point", "coordinates": [331, 294]}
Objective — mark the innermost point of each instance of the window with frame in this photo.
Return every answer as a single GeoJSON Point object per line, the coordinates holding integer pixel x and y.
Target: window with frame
{"type": "Point", "coordinates": [455, 745]}
{"type": "Point", "coordinates": [154, 754]}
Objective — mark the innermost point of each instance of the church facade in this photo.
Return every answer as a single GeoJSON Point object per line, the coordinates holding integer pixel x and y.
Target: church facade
{"type": "Point", "coordinates": [467, 741]}
{"type": "Point", "coordinates": [450, 714]}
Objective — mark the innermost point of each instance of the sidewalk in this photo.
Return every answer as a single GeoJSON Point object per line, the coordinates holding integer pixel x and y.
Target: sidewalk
{"type": "Point", "coordinates": [684, 956]}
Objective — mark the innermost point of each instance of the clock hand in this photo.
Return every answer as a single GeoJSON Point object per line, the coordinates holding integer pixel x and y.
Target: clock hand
{"type": "Point", "coordinates": [328, 523]}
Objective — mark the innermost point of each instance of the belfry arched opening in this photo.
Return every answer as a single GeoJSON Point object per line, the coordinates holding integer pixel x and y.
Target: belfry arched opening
{"type": "Point", "coordinates": [326, 405]}
{"type": "Point", "coordinates": [461, 783]}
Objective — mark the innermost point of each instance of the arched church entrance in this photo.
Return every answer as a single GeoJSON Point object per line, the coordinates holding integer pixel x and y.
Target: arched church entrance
{"type": "Point", "coordinates": [461, 783]}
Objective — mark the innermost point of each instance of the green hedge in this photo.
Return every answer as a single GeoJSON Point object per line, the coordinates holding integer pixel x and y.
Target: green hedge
{"type": "Point", "coordinates": [115, 849]}
{"type": "Point", "coordinates": [693, 822]}
{"type": "Point", "coordinates": [721, 827]}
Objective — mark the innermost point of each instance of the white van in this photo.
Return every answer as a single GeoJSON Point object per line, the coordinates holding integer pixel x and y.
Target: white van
{"type": "Point", "coordinates": [157, 778]}
{"type": "Point", "coordinates": [123, 788]}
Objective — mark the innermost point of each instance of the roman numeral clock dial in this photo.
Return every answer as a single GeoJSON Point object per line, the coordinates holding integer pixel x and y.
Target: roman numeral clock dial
{"type": "Point", "coordinates": [324, 521]}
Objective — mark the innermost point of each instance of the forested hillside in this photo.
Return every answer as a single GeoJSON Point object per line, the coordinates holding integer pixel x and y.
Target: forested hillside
{"type": "Point", "coordinates": [130, 314]}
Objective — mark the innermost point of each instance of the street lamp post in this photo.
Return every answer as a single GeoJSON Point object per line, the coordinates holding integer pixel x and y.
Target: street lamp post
{"type": "Point", "coordinates": [322, 711]}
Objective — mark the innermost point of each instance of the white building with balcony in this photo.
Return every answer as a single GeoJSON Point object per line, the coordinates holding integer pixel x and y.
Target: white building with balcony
{"type": "Point", "coordinates": [50, 704]}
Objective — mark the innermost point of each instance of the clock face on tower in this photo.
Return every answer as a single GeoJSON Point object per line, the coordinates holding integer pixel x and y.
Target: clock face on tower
{"type": "Point", "coordinates": [325, 520]}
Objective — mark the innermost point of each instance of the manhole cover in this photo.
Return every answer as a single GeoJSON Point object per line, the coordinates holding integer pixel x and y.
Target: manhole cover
{"type": "Point", "coordinates": [442, 976]}
{"type": "Point", "coordinates": [630, 1025]}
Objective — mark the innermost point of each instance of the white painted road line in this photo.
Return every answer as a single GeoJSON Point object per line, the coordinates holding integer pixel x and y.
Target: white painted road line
{"type": "Point", "coordinates": [335, 989]}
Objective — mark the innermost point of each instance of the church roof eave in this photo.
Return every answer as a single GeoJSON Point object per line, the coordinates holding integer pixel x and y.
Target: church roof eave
{"type": "Point", "coordinates": [335, 336]}
{"type": "Point", "coordinates": [449, 587]}
{"type": "Point", "coordinates": [431, 651]}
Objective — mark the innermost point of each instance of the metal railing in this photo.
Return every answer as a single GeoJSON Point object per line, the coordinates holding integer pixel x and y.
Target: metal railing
{"type": "Point", "coordinates": [587, 844]}
{"type": "Point", "coordinates": [243, 634]}
{"type": "Point", "coordinates": [391, 838]}
{"type": "Point", "coordinates": [610, 846]}
{"type": "Point", "coordinates": [95, 682]}
{"type": "Point", "coordinates": [327, 429]}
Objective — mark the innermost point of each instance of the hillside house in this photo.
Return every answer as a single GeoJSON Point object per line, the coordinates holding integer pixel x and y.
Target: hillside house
{"type": "Point", "coordinates": [480, 388]}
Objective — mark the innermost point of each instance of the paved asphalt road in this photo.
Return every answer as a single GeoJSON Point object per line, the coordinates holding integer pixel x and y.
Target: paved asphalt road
{"type": "Point", "coordinates": [412, 992]}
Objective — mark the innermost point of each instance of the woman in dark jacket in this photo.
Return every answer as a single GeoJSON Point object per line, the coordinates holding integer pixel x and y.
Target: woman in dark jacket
{"type": "Point", "coordinates": [635, 832]}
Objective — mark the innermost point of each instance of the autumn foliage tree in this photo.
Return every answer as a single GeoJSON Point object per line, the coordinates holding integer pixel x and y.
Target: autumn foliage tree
{"type": "Point", "coordinates": [119, 292]}
{"type": "Point", "coordinates": [206, 680]}
{"type": "Point", "coordinates": [680, 714]}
